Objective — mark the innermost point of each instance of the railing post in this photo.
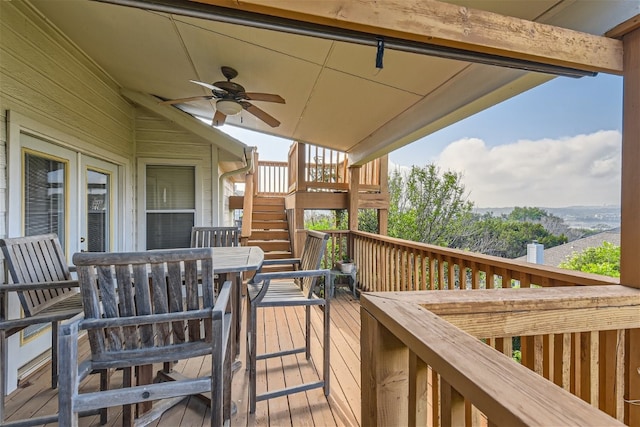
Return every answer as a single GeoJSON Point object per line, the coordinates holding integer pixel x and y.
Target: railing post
{"type": "Point", "coordinates": [384, 375]}
{"type": "Point", "coordinates": [302, 167]}
{"type": "Point", "coordinates": [630, 220]}
{"type": "Point", "coordinates": [354, 189]}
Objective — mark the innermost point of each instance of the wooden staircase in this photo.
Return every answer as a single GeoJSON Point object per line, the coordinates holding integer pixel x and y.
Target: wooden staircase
{"type": "Point", "coordinates": [270, 229]}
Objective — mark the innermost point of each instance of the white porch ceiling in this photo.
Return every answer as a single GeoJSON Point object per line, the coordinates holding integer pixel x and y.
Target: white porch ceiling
{"type": "Point", "coordinates": [335, 96]}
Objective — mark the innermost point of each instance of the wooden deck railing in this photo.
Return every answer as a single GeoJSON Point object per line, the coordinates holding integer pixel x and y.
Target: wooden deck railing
{"type": "Point", "coordinates": [313, 168]}
{"type": "Point", "coordinates": [572, 334]}
{"type": "Point", "coordinates": [272, 178]}
{"type": "Point", "coordinates": [388, 264]}
{"type": "Point", "coordinates": [424, 361]}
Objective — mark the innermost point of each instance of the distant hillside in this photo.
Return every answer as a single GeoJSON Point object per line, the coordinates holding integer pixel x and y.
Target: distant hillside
{"type": "Point", "coordinates": [591, 217]}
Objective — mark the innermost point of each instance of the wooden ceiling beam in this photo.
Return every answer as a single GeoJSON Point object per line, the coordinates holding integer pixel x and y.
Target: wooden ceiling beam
{"type": "Point", "coordinates": [449, 25]}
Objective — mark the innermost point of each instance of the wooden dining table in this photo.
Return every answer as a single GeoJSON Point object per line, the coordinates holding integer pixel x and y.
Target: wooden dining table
{"type": "Point", "coordinates": [228, 262]}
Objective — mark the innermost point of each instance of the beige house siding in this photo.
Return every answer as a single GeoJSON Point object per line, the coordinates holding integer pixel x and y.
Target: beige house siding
{"type": "Point", "coordinates": [45, 77]}
{"type": "Point", "coordinates": [161, 139]}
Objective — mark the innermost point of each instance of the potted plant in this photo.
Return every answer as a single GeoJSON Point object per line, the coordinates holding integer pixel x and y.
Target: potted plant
{"type": "Point", "coordinates": [346, 265]}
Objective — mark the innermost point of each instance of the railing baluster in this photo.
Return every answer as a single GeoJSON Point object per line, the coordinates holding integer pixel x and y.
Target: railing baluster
{"type": "Point", "coordinates": [452, 405]}
{"type": "Point", "coordinates": [418, 391]}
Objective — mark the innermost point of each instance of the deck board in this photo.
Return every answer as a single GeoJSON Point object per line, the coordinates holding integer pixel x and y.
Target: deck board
{"type": "Point", "coordinates": [341, 408]}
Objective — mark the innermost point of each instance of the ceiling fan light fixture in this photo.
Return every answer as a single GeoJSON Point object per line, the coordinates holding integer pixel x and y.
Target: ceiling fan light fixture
{"type": "Point", "coordinates": [228, 107]}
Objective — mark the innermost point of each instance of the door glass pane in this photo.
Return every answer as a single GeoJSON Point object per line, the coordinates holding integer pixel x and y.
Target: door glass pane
{"type": "Point", "coordinates": [170, 206]}
{"type": "Point", "coordinates": [98, 211]}
{"type": "Point", "coordinates": [45, 196]}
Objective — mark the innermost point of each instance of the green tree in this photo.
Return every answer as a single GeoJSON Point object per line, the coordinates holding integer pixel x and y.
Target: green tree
{"type": "Point", "coordinates": [428, 206]}
{"type": "Point", "coordinates": [604, 260]}
{"type": "Point", "coordinates": [526, 214]}
{"type": "Point", "coordinates": [368, 220]}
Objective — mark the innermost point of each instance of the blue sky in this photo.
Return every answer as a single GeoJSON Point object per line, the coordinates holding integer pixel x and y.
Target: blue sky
{"type": "Point", "coordinates": [555, 145]}
{"type": "Point", "coordinates": [563, 107]}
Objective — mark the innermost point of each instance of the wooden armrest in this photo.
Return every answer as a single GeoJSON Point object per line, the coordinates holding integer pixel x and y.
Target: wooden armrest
{"type": "Point", "coordinates": [14, 287]}
{"type": "Point", "coordinates": [289, 274]}
{"type": "Point", "coordinates": [281, 261]}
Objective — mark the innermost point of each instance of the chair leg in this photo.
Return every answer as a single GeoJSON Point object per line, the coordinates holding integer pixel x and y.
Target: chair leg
{"type": "Point", "coordinates": [248, 337]}
{"type": "Point", "coordinates": [218, 385]}
{"type": "Point", "coordinates": [3, 372]}
{"type": "Point", "coordinates": [104, 385]}
{"type": "Point", "coordinates": [307, 338]}
{"type": "Point", "coordinates": [326, 369]}
{"type": "Point", "coordinates": [127, 410]}
{"type": "Point", "coordinates": [54, 355]}
{"type": "Point", "coordinates": [68, 348]}
{"type": "Point", "coordinates": [252, 361]}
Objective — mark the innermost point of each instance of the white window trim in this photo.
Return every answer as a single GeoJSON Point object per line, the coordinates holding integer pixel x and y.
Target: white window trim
{"type": "Point", "coordinates": [142, 192]}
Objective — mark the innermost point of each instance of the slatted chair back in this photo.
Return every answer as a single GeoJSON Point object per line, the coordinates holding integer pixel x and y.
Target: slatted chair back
{"type": "Point", "coordinates": [208, 237]}
{"type": "Point", "coordinates": [117, 287]}
{"type": "Point", "coordinates": [311, 258]}
{"type": "Point", "coordinates": [37, 259]}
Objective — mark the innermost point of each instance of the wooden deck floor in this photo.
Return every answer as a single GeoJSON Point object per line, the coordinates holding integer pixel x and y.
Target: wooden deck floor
{"type": "Point", "coordinates": [341, 408]}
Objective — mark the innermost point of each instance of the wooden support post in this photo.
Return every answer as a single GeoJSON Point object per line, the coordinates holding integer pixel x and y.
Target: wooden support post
{"type": "Point", "coordinates": [630, 220]}
{"type": "Point", "coordinates": [383, 222]}
{"type": "Point", "coordinates": [354, 189]}
{"type": "Point", "coordinates": [302, 167]}
{"type": "Point", "coordinates": [384, 375]}
{"type": "Point", "coordinates": [383, 214]}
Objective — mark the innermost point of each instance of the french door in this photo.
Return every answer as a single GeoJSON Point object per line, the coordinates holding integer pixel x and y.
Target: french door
{"type": "Point", "coordinates": [58, 190]}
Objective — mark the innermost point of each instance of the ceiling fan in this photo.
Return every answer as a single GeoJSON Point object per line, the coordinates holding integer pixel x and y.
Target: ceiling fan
{"type": "Point", "coordinates": [232, 98]}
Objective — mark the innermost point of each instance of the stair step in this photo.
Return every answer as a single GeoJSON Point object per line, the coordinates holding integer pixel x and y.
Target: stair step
{"type": "Point", "coordinates": [278, 255]}
{"type": "Point", "coordinates": [271, 245]}
{"type": "Point", "coordinates": [268, 201]}
{"type": "Point", "coordinates": [269, 225]}
{"type": "Point", "coordinates": [269, 216]}
{"type": "Point", "coordinates": [270, 235]}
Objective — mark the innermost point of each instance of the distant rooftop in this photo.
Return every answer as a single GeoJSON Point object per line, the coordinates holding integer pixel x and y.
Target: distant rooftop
{"type": "Point", "coordinates": [556, 255]}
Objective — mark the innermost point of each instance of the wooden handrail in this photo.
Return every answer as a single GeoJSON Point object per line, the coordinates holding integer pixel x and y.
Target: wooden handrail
{"type": "Point", "coordinates": [417, 344]}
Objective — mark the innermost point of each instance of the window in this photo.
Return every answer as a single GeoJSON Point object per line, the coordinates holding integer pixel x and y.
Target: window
{"type": "Point", "coordinates": [44, 195]}
{"type": "Point", "coordinates": [98, 211]}
{"type": "Point", "coordinates": [170, 205]}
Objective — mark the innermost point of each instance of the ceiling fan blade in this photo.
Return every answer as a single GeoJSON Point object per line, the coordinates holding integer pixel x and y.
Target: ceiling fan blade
{"type": "Point", "coordinates": [218, 118]}
{"type": "Point", "coordinates": [269, 97]}
{"type": "Point", "coordinates": [207, 85]}
{"type": "Point", "coordinates": [181, 100]}
{"type": "Point", "coordinates": [262, 115]}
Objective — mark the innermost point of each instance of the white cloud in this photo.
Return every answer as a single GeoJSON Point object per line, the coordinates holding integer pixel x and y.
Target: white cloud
{"type": "Point", "coordinates": [579, 170]}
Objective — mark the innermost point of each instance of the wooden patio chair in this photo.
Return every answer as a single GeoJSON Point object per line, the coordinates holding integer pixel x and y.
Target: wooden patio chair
{"type": "Point", "coordinates": [216, 237]}
{"type": "Point", "coordinates": [286, 289]}
{"type": "Point", "coordinates": [142, 308]}
{"type": "Point", "coordinates": [41, 278]}
{"type": "Point", "coordinates": [209, 237]}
